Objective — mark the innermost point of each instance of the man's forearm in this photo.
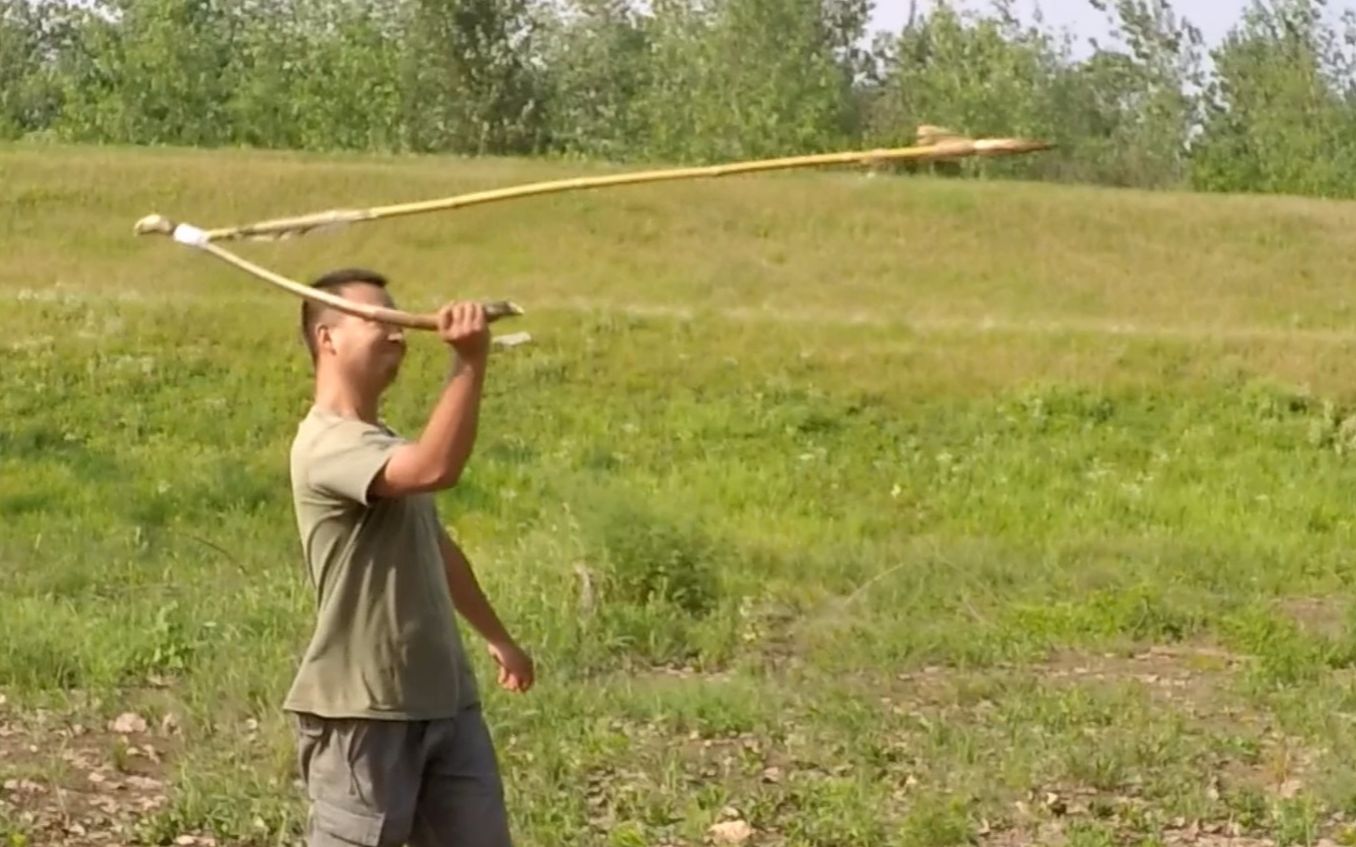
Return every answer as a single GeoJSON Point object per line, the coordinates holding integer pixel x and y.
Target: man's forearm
{"type": "Point", "coordinates": [467, 596]}
{"type": "Point", "coordinates": [450, 434]}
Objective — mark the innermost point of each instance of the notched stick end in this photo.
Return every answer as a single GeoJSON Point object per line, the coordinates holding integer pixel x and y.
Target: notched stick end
{"type": "Point", "coordinates": [497, 309]}
{"type": "Point", "coordinates": [154, 225]}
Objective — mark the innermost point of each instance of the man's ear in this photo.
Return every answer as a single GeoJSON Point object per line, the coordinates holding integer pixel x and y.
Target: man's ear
{"type": "Point", "coordinates": [324, 338]}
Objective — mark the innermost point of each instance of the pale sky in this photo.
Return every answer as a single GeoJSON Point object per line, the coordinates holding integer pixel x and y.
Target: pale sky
{"type": "Point", "coordinates": [1213, 17]}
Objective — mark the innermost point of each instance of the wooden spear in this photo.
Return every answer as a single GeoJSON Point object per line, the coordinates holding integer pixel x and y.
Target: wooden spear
{"type": "Point", "coordinates": [938, 145]}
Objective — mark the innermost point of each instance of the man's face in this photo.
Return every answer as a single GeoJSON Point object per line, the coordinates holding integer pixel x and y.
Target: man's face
{"type": "Point", "coordinates": [364, 351]}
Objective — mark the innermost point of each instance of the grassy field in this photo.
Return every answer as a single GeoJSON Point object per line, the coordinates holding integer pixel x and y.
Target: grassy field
{"type": "Point", "coordinates": [862, 511]}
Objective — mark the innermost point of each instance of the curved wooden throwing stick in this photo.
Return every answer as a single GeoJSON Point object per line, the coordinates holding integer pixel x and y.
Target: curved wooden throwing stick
{"type": "Point", "coordinates": [194, 237]}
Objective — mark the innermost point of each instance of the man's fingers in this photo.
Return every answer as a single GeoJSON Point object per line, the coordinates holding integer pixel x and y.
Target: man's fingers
{"type": "Point", "coordinates": [476, 322]}
{"type": "Point", "coordinates": [447, 319]}
{"type": "Point", "coordinates": [462, 318]}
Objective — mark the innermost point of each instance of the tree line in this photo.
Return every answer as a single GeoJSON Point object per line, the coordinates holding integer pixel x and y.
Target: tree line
{"type": "Point", "coordinates": [1272, 108]}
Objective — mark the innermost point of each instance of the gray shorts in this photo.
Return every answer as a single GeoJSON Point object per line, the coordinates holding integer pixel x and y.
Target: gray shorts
{"type": "Point", "coordinates": [375, 783]}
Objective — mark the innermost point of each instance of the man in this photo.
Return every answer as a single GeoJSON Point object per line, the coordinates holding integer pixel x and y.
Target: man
{"type": "Point", "coordinates": [392, 745]}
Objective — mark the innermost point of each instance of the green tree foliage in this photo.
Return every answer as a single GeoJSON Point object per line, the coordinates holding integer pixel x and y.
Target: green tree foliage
{"type": "Point", "coordinates": [469, 81]}
{"type": "Point", "coordinates": [152, 72]}
{"type": "Point", "coordinates": [317, 76]}
{"type": "Point", "coordinates": [32, 38]}
{"type": "Point", "coordinates": [1132, 105]}
{"type": "Point", "coordinates": [1281, 115]}
{"type": "Point", "coordinates": [698, 80]}
{"type": "Point", "coordinates": [598, 55]}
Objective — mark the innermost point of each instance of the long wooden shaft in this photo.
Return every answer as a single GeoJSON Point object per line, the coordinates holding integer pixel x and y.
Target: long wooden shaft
{"type": "Point", "coordinates": [285, 227]}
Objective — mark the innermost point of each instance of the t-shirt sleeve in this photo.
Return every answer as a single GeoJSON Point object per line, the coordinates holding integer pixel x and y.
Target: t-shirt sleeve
{"type": "Point", "coordinates": [347, 457]}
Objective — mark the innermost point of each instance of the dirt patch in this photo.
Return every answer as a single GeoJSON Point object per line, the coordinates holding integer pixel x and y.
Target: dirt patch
{"type": "Point", "coordinates": [69, 781]}
{"type": "Point", "coordinates": [1191, 835]}
{"type": "Point", "coordinates": [1195, 682]}
{"type": "Point", "coordinates": [1049, 819]}
{"type": "Point", "coordinates": [1054, 837]}
{"type": "Point", "coordinates": [1325, 617]}
{"type": "Point", "coordinates": [1188, 678]}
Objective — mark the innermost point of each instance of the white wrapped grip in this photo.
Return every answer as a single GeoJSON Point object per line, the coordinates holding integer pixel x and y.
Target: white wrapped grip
{"type": "Point", "coordinates": [190, 235]}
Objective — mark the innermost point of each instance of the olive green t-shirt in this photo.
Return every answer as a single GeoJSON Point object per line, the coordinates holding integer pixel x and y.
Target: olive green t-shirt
{"type": "Point", "coordinates": [386, 643]}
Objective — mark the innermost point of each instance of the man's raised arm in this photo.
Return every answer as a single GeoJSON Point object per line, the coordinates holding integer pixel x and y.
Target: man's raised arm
{"type": "Point", "coordinates": [436, 460]}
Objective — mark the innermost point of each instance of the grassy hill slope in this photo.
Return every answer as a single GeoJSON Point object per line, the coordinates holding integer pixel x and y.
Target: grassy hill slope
{"type": "Point", "coordinates": [877, 511]}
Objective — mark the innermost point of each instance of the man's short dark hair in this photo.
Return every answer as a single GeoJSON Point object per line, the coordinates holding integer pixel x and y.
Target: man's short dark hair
{"type": "Point", "coordinates": [333, 282]}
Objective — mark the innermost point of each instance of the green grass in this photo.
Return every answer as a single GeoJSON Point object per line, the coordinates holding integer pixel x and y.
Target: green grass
{"type": "Point", "coordinates": [878, 486]}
